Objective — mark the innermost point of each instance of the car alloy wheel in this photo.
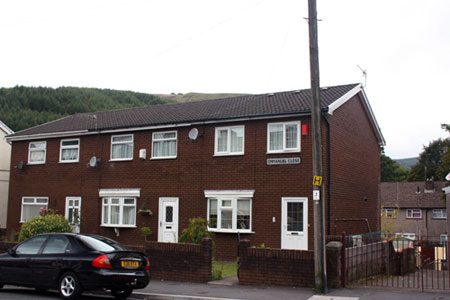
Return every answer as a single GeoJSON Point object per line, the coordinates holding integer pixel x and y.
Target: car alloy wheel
{"type": "Point", "coordinates": [121, 293]}
{"type": "Point", "coordinates": [69, 286]}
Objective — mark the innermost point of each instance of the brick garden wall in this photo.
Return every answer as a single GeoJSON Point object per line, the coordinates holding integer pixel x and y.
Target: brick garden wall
{"type": "Point", "coordinates": [179, 262]}
{"type": "Point", "coordinates": [263, 266]}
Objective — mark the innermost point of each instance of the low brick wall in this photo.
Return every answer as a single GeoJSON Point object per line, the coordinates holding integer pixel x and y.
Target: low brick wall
{"type": "Point", "coordinates": [180, 262]}
{"type": "Point", "coordinates": [265, 266]}
{"type": "Point", "coordinates": [5, 246]}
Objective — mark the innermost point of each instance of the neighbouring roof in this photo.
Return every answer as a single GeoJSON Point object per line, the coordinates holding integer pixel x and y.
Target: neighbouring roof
{"type": "Point", "coordinates": [5, 128]}
{"type": "Point", "coordinates": [406, 195]}
{"type": "Point", "coordinates": [185, 114]}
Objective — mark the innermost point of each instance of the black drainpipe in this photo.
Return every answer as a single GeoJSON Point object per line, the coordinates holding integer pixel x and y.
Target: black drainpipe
{"type": "Point", "coordinates": [328, 175]}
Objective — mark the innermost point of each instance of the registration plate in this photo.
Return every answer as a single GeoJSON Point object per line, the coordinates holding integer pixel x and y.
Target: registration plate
{"type": "Point", "coordinates": [130, 264]}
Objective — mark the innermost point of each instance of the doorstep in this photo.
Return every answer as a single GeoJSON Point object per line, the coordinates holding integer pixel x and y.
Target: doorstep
{"type": "Point", "coordinates": [226, 281]}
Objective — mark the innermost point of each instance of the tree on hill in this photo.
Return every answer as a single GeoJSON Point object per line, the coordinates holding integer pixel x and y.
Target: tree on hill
{"type": "Point", "coordinates": [391, 171]}
{"type": "Point", "coordinates": [23, 107]}
{"type": "Point", "coordinates": [434, 161]}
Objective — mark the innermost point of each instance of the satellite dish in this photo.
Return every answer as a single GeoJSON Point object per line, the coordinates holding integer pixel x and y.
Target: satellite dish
{"type": "Point", "coordinates": [447, 177]}
{"type": "Point", "coordinates": [193, 134]}
{"type": "Point", "coordinates": [93, 162]}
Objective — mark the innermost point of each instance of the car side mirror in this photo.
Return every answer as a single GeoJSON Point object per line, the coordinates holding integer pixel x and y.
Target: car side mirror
{"type": "Point", "coordinates": [12, 252]}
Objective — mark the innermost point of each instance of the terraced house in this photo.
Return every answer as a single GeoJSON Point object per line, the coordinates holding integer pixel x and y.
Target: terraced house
{"type": "Point", "coordinates": [243, 163]}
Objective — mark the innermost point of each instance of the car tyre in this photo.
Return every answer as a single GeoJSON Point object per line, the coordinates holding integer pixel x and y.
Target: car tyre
{"type": "Point", "coordinates": [121, 293]}
{"type": "Point", "coordinates": [69, 286]}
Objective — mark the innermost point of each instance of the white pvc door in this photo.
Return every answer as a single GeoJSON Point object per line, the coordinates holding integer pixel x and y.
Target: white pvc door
{"type": "Point", "coordinates": [168, 220]}
{"type": "Point", "coordinates": [73, 212]}
{"type": "Point", "coordinates": [294, 223]}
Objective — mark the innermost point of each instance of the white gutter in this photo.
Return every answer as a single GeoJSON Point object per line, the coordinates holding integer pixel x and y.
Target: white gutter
{"type": "Point", "coordinates": [339, 102]}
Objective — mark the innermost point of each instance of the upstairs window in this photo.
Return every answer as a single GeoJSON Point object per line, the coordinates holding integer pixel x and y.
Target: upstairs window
{"type": "Point", "coordinates": [439, 214]}
{"type": "Point", "coordinates": [164, 144]}
{"type": "Point", "coordinates": [37, 153]}
{"type": "Point", "coordinates": [229, 140]}
{"type": "Point", "coordinates": [283, 137]}
{"type": "Point", "coordinates": [414, 213]}
{"type": "Point", "coordinates": [70, 151]}
{"type": "Point", "coordinates": [122, 147]}
{"type": "Point", "coordinates": [389, 213]}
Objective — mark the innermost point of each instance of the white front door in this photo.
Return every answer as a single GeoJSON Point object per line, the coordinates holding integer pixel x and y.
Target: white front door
{"type": "Point", "coordinates": [73, 212]}
{"type": "Point", "coordinates": [168, 220]}
{"type": "Point", "coordinates": [294, 223]}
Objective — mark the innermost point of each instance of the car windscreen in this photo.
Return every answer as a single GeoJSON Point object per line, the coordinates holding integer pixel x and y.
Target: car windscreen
{"type": "Point", "coordinates": [101, 244]}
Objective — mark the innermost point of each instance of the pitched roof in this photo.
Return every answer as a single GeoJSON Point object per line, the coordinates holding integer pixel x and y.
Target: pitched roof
{"type": "Point", "coordinates": [250, 106]}
{"type": "Point", "coordinates": [406, 195]}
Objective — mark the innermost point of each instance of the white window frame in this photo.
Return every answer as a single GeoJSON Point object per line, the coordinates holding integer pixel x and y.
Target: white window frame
{"type": "Point", "coordinates": [389, 213]}
{"type": "Point", "coordinates": [233, 197]}
{"type": "Point", "coordinates": [284, 150]}
{"type": "Point", "coordinates": [408, 235]}
{"type": "Point", "coordinates": [121, 206]}
{"type": "Point", "coordinates": [121, 143]}
{"type": "Point", "coordinates": [44, 148]}
{"type": "Point", "coordinates": [439, 213]}
{"type": "Point", "coordinates": [410, 212]}
{"type": "Point", "coordinates": [61, 148]}
{"type": "Point", "coordinates": [165, 139]}
{"type": "Point", "coordinates": [35, 203]}
{"type": "Point", "coordinates": [228, 151]}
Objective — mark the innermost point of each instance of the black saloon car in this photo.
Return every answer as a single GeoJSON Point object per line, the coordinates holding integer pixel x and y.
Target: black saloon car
{"type": "Point", "coordinates": [73, 263]}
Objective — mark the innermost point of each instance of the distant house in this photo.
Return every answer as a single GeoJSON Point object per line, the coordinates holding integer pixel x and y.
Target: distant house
{"type": "Point", "coordinates": [416, 210]}
{"type": "Point", "coordinates": [5, 161]}
{"type": "Point", "coordinates": [243, 163]}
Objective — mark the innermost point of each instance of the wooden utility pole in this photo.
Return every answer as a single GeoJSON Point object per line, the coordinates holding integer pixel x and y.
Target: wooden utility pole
{"type": "Point", "coordinates": [319, 243]}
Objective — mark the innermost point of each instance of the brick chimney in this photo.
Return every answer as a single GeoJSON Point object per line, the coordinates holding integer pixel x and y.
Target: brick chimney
{"type": "Point", "coordinates": [429, 186]}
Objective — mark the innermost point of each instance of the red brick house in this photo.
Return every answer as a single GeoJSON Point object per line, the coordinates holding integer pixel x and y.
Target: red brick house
{"type": "Point", "coordinates": [244, 163]}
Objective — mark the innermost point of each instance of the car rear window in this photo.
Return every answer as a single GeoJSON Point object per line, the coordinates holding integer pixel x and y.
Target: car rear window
{"type": "Point", "coordinates": [101, 244]}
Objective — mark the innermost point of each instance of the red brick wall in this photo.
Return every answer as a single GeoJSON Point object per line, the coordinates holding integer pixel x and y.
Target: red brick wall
{"type": "Point", "coordinates": [197, 169]}
{"type": "Point", "coordinates": [355, 170]}
{"type": "Point", "coordinates": [262, 266]}
{"type": "Point", "coordinates": [5, 246]}
{"type": "Point", "coordinates": [179, 262]}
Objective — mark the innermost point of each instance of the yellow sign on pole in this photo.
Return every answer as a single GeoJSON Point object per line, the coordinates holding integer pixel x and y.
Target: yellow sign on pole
{"type": "Point", "coordinates": [317, 180]}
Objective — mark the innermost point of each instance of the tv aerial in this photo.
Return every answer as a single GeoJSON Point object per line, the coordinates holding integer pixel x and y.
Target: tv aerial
{"type": "Point", "coordinates": [364, 73]}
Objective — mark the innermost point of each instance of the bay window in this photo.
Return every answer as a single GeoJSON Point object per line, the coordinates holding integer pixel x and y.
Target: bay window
{"type": "Point", "coordinates": [119, 212]}
{"type": "Point", "coordinates": [283, 137]}
{"type": "Point", "coordinates": [164, 145]}
{"type": "Point", "coordinates": [229, 211]}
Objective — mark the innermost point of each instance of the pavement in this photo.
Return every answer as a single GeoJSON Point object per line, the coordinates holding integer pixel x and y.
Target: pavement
{"type": "Point", "coordinates": [229, 289]}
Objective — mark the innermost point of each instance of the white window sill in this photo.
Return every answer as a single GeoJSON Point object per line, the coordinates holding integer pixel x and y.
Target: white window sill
{"type": "Point", "coordinates": [230, 231]}
{"type": "Point", "coordinates": [283, 151]}
{"type": "Point", "coordinates": [228, 154]}
{"type": "Point", "coordinates": [36, 163]}
{"type": "Point", "coordinates": [163, 157]}
{"type": "Point", "coordinates": [69, 161]}
{"type": "Point", "coordinates": [122, 159]}
{"type": "Point", "coordinates": [118, 226]}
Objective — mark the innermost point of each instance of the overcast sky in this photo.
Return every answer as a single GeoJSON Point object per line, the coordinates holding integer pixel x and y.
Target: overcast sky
{"type": "Point", "coordinates": [241, 46]}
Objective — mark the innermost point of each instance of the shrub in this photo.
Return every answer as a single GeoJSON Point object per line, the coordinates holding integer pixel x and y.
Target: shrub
{"type": "Point", "coordinates": [44, 224]}
{"type": "Point", "coordinates": [195, 232]}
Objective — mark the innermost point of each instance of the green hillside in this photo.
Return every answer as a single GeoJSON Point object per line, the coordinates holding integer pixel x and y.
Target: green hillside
{"type": "Point", "coordinates": [23, 107]}
{"type": "Point", "coordinates": [190, 97]}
